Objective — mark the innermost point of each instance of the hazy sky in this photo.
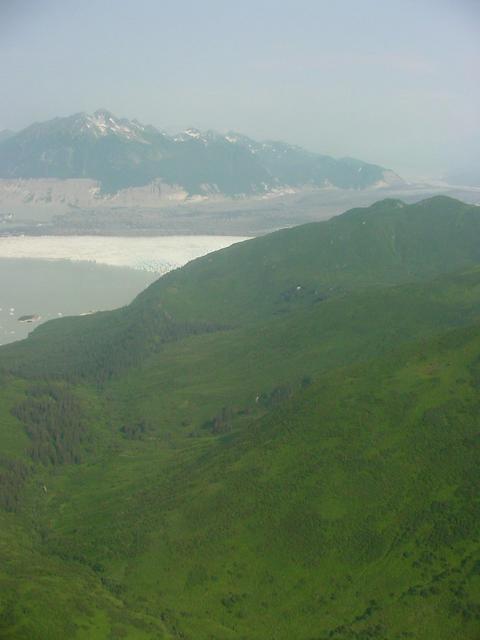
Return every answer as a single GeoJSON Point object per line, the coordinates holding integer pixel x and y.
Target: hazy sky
{"type": "Point", "coordinates": [392, 82]}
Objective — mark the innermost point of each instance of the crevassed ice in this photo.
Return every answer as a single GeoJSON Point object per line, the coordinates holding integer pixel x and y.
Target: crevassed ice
{"type": "Point", "coordinates": [156, 254]}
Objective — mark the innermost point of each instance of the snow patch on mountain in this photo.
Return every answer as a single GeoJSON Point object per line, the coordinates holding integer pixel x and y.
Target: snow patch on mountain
{"type": "Point", "coordinates": [103, 123]}
{"type": "Point", "coordinates": [124, 156]}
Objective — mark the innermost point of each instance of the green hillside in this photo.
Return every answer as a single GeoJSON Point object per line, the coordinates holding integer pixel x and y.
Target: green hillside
{"type": "Point", "coordinates": [385, 244]}
{"type": "Point", "coordinates": [232, 456]}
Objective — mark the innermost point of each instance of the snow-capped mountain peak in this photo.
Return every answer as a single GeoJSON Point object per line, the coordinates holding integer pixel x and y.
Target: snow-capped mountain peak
{"type": "Point", "coordinates": [103, 123]}
{"type": "Point", "coordinates": [121, 153]}
{"type": "Point", "coordinates": [190, 134]}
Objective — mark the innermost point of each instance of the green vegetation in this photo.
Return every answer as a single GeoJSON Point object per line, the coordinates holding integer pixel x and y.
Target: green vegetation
{"type": "Point", "coordinates": [278, 441]}
{"type": "Point", "coordinates": [272, 276]}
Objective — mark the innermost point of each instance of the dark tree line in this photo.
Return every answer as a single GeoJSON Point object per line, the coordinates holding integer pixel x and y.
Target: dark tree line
{"type": "Point", "coordinates": [135, 431]}
{"type": "Point", "coordinates": [97, 347]}
{"type": "Point", "coordinates": [13, 474]}
{"type": "Point", "coordinates": [222, 422]}
{"type": "Point", "coordinates": [55, 423]}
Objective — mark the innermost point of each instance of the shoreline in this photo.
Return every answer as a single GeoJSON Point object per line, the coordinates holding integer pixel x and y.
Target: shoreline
{"type": "Point", "coordinates": [157, 254]}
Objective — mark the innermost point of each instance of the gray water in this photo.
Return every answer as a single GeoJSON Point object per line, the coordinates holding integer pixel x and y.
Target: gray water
{"type": "Point", "coordinates": [54, 288]}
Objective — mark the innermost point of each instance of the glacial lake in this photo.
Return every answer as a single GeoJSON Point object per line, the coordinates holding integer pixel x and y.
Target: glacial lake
{"type": "Point", "coordinates": [56, 276]}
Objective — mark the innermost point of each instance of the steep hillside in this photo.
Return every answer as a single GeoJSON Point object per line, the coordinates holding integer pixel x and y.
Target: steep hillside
{"type": "Point", "coordinates": [120, 154]}
{"type": "Point", "coordinates": [279, 440]}
{"type": "Point", "coordinates": [387, 243]}
{"type": "Point", "coordinates": [348, 510]}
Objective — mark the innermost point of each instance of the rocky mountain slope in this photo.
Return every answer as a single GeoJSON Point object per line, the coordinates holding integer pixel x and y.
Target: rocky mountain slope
{"type": "Point", "coordinates": [114, 155]}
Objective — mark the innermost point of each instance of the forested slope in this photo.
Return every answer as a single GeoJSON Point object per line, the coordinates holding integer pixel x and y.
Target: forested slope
{"type": "Point", "coordinates": [385, 244]}
{"type": "Point", "coordinates": [276, 441]}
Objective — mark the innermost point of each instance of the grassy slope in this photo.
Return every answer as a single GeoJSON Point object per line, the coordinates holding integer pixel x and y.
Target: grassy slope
{"type": "Point", "coordinates": [43, 597]}
{"type": "Point", "coordinates": [188, 382]}
{"type": "Point", "coordinates": [354, 505]}
{"type": "Point", "coordinates": [359, 499]}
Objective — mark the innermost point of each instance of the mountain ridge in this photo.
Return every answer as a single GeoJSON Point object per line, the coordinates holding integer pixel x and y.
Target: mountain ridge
{"type": "Point", "coordinates": [373, 247]}
{"type": "Point", "coordinates": [121, 154]}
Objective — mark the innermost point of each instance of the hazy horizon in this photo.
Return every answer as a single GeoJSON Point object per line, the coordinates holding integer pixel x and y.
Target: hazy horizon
{"type": "Point", "coordinates": [390, 83]}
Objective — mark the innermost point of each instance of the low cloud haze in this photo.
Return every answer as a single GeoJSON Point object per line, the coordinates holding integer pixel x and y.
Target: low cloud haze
{"type": "Point", "coordinates": [395, 83]}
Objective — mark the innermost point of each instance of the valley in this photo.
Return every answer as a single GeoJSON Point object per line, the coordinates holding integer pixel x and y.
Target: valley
{"type": "Point", "coordinates": [67, 207]}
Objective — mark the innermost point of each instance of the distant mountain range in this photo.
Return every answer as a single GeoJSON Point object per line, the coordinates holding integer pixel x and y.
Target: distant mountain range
{"type": "Point", "coordinates": [120, 154]}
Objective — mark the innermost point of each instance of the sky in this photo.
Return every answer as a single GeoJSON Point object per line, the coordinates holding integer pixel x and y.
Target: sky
{"type": "Point", "coordinates": [390, 82]}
